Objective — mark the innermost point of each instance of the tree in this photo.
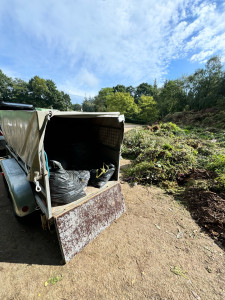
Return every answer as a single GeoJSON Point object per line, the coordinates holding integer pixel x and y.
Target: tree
{"type": "Point", "coordinates": [43, 93]}
{"type": "Point", "coordinates": [101, 98]}
{"type": "Point", "coordinates": [221, 98]}
{"type": "Point", "coordinates": [65, 103]}
{"type": "Point", "coordinates": [20, 91]}
{"type": "Point", "coordinates": [122, 102]}
{"type": "Point", "coordinates": [143, 89]}
{"type": "Point", "coordinates": [77, 107]}
{"type": "Point", "coordinates": [204, 87]}
{"type": "Point", "coordinates": [53, 96]}
{"type": "Point", "coordinates": [38, 92]}
{"type": "Point", "coordinates": [119, 88]}
{"type": "Point", "coordinates": [155, 89]}
{"type": "Point", "coordinates": [6, 87]}
{"type": "Point", "coordinates": [148, 109]}
{"type": "Point", "coordinates": [195, 89]}
{"type": "Point", "coordinates": [171, 98]}
{"type": "Point", "coordinates": [88, 105]}
{"type": "Point", "coordinates": [214, 77]}
{"type": "Point", "coordinates": [130, 89]}
{"type": "Point", "coordinates": [122, 89]}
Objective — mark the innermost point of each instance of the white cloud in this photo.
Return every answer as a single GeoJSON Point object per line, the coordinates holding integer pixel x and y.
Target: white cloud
{"type": "Point", "coordinates": [84, 84]}
{"type": "Point", "coordinates": [201, 56]}
{"type": "Point", "coordinates": [128, 41]}
{"type": "Point", "coordinates": [73, 88]}
{"type": "Point", "coordinates": [87, 78]}
{"type": "Point", "coordinates": [209, 38]}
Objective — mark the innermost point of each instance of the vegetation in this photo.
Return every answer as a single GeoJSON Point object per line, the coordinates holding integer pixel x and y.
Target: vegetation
{"type": "Point", "coordinates": [37, 91]}
{"type": "Point", "coordinates": [202, 90]}
{"type": "Point", "coordinates": [122, 102]}
{"type": "Point", "coordinates": [166, 155]}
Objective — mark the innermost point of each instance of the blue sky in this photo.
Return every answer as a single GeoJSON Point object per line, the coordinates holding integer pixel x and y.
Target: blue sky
{"type": "Point", "coordinates": [85, 45]}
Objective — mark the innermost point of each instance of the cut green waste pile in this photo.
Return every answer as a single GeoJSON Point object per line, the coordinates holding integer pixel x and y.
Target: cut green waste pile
{"type": "Point", "coordinates": [185, 162]}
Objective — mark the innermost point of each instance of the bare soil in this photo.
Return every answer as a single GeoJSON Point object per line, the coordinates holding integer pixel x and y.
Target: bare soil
{"type": "Point", "coordinates": [154, 251]}
{"type": "Point", "coordinates": [208, 209]}
{"type": "Point", "coordinates": [129, 126]}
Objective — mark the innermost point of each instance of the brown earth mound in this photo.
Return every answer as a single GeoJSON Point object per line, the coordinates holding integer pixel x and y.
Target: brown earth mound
{"type": "Point", "coordinates": [195, 174]}
{"type": "Point", "coordinates": [210, 117]}
{"type": "Point", "coordinates": [208, 209]}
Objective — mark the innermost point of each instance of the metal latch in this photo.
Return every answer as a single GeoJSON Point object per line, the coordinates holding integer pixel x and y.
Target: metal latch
{"type": "Point", "coordinates": [49, 115]}
{"type": "Point", "coordinates": [36, 182]}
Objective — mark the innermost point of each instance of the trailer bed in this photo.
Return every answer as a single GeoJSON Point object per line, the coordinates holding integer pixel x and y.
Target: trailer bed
{"type": "Point", "coordinates": [90, 192]}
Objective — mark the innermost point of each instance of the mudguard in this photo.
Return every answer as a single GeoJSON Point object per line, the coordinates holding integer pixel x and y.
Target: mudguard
{"type": "Point", "coordinates": [20, 189]}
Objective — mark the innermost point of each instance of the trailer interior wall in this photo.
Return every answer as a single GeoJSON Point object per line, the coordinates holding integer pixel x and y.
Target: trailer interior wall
{"type": "Point", "coordinates": [84, 143]}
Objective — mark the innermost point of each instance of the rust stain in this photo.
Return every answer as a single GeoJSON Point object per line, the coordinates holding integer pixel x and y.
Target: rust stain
{"type": "Point", "coordinates": [78, 226]}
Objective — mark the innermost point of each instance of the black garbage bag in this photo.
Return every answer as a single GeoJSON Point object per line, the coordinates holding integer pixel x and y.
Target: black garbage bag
{"type": "Point", "coordinates": [66, 186]}
{"type": "Point", "coordinates": [83, 176]}
{"type": "Point", "coordinates": [99, 177]}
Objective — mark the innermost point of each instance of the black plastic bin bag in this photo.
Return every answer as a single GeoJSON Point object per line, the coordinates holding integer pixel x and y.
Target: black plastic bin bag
{"type": "Point", "coordinates": [66, 186]}
{"type": "Point", "coordinates": [99, 177]}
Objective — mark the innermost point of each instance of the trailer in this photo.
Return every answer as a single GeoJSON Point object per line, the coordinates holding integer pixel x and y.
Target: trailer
{"type": "Point", "coordinates": [78, 141]}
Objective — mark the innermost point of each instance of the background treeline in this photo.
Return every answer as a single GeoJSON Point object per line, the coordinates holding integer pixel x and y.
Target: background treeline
{"type": "Point", "coordinates": [148, 103]}
{"type": "Point", "coordinates": [145, 103]}
{"type": "Point", "coordinates": [37, 91]}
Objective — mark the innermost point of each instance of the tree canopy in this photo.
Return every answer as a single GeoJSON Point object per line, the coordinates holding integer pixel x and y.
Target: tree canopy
{"type": "Point", "coordinates": [203, 89]}
{"type": "Point", "coordinates": [37, 91]}
{"type": "Point", "coordinates": [122, 102]}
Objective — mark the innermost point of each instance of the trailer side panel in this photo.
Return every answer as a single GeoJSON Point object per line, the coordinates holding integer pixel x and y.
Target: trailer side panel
{"type": "Point", "coordinates": [78, 226]}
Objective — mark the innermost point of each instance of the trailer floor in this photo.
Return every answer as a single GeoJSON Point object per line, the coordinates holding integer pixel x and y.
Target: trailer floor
{"type": "Point", "coordinates": [154, 251]}
{"type": "Point", "coordinates": [90, 192]}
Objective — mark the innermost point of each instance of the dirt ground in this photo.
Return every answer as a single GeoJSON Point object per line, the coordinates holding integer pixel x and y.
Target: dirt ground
{"type": "Point", "coordinates": [154, 251]}
{"type": "Point", "coordinates": [129, 126]}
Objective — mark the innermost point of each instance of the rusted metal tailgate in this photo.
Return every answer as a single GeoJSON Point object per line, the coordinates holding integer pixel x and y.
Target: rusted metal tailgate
{"type": "Point", "coordinates": [81, 224]}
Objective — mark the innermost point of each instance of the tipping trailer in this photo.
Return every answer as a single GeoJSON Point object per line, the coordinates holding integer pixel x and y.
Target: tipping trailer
{"type": "Point", "coordinates": [79, 139]}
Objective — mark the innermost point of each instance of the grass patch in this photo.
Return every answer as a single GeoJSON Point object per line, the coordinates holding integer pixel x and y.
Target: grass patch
{"type": "Point", "coordinates": [53, 280]}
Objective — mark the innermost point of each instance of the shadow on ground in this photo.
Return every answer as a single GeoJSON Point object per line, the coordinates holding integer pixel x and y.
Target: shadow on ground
{"type": "Point", "coordinates": [25, 242]}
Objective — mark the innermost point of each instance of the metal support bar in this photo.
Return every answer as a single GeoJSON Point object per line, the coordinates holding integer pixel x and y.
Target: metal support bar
{"type": "Point", "coordinates": [42, 190]}
{"type": "Point", "coordinates": [41, 204]}
{"type": "Point", "coordinates": [46, 185]}
{"type": "Point", "coordinates": [20, 162]}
